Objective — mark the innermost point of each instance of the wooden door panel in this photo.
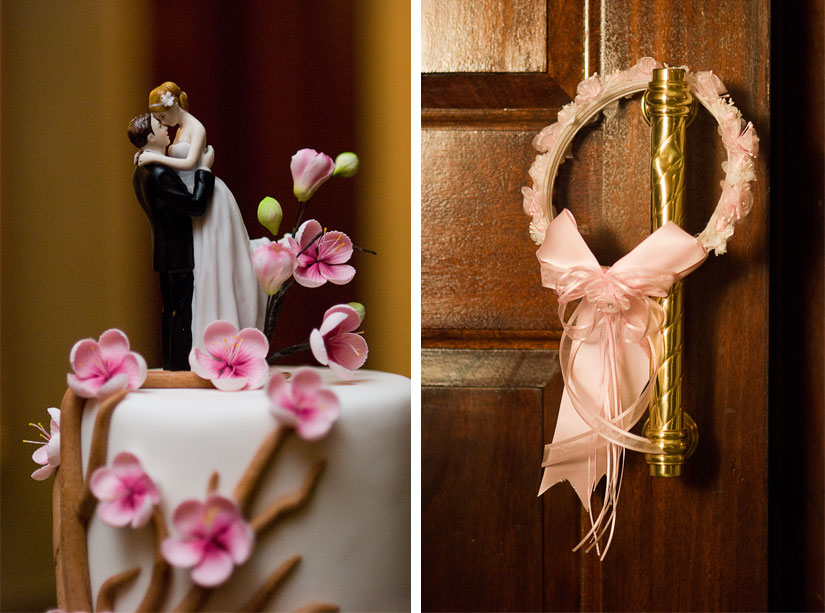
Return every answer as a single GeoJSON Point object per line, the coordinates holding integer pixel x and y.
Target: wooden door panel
{"type": "Point", "coordinates": [490, 331]}
{"type": "Point", "coordinates": [483, 36]}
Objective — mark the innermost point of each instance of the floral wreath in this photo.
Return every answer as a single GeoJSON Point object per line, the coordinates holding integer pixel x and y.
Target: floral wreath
{"type": "Point", "coordinates": [601, 94]}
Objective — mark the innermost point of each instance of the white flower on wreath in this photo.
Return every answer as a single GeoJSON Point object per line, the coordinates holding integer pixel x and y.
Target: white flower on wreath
{"type": "Point", "coordinates": [167, 100]}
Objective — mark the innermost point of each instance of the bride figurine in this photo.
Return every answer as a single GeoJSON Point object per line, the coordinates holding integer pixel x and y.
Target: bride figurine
{"type": "Point", "coordinates": [225, 285]}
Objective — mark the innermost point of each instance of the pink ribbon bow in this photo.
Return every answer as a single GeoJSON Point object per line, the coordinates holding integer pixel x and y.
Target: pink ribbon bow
{"type": "Point", "coordinates": [609, 354]}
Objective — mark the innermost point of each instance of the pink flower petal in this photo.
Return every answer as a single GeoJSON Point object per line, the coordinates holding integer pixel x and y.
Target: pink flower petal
{"type": "Point", "coordinates": [114, 346]}
{"type": "Point", "coordinates": [117, 513]}
{"type": "Point", "coordinates": [334, 248]}
{"type": "Point", "coordinates": [106, 485]}
{"type": "Point", "coordinates": [112, 386]}
{"type": "Point", "coordinates": [319, 349]}
{"type": "Point", "coordinates": [41, 455]}
{"type": "Point", "coordinates": [143, 513]}
{"type": "Point", "coordinates": [306, 381]}
{"type": "Point", "coordinates": [83, 388]}
{"type": "Point", "coordinates": [86, 359]}
{"type": "Point", "coordinates": [253, 344]}
{"type": "Point", "coordinates": [239, 540]}
{"type": "Point", "coordinates": [215, 568]}
{"type": "Point", "coordinates": [230, 384]}
{"type": "Point", "coordinates": [348, 323]}
{"type": "Point", "coordinates": [134, 367]}
{"type": "Point", "coordinates": [308, 230]}
{"type": "Point", "coordinates": [204, 365]}
{"type": "Point", "coordinates": [218, 333]}
{"type": "Point", "coordinates": [340, 274]}
{"type": "Point", "coordinates": [256, 373]}
{"type": "Point", "coordinates": [309, 276]}
{"type": "Point", "coordinates": [53, 449]}
{"type": "Point", "coordinates": [349, 350]}
{"type": "Point", "coordinates": [184, 553]}
{"type": "Point", "coordinates": [188, 516]}
{"type": "Point", "coordinates": [43, 473]}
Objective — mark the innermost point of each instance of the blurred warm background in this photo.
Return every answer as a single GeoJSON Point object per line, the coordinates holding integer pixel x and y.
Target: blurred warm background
{"type": "Point", "coordinates": [266, 78]}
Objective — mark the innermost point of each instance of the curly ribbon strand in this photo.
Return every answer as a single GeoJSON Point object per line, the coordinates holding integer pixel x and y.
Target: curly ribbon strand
{"type": "Point", "coordinates": [609, 354]}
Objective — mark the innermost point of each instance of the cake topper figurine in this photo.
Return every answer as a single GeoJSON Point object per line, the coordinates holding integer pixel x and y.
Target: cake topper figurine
{"type": "Point", "coordinates": [224, 283]}
{"type": "Point", "coordinates": [170, 207]}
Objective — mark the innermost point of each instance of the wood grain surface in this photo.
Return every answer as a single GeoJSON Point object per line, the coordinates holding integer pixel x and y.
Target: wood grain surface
{"type": "Point", "coordinates": [699, 542]}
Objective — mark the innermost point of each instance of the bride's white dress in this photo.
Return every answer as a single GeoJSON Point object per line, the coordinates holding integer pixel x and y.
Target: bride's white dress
{"type": "Point", "coordinates": [225, 283]}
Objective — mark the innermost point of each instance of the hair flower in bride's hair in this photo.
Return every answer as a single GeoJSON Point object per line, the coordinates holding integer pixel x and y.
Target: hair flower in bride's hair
{"type": "Point", "coordinates": [167, 100]}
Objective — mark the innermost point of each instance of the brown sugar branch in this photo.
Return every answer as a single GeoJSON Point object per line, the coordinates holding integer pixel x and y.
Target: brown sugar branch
{"type": "Point", "coordinates": [106, 594]}
{"type": "Point", "coordinates": [289, 502]}
{"type": "Point", "coordinates": [269, 587]}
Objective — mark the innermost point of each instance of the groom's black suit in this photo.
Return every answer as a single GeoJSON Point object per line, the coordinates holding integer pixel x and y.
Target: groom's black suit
{"type": "Point", "coordinates": [170, 208]}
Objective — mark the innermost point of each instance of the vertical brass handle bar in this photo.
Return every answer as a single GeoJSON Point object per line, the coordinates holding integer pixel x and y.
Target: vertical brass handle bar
{"type": "Point", "coordinates": [668, 107]}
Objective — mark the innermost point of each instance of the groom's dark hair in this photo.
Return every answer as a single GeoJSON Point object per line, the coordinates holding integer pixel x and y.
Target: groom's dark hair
{"type": "Point", "coordinates": [139, 130]}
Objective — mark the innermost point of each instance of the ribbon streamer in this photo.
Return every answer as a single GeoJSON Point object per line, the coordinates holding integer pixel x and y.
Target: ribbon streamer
{"type": "Point", "coordinates": [609, 354]}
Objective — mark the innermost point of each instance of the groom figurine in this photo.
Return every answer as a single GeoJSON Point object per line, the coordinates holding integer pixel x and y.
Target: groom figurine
{"type": "Point", "coordinates": [170, 208]}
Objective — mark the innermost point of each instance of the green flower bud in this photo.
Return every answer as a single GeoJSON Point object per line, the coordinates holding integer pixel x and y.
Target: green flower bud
{"type": "Point", "coordinates": [270, 214]}
{"type": "Point", "coordinates": [346, 165]}
{"type": "Point", "coordinates": [359, 308]}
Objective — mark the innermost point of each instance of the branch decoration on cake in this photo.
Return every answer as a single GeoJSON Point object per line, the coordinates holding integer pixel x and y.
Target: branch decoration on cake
{"type": "Point", "coordinates": [598, 94]}
{"type": "Point", "coordinates": [48, 454]}
{"type": "Point", "coordinates": [609, 349]}
{"type": "Point", "coordinates": [128, 495]}
{"type": "Point", "coordinates": [233, 360]}
{"type": "Point", "coordinates": [105, 366]}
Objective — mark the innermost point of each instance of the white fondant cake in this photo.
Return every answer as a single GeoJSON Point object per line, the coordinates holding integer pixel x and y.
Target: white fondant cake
{"type": "Point", "coordinates": [353, 534]}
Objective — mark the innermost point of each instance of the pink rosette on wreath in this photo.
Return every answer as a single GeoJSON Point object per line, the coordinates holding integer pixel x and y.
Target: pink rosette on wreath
{"type": "Point", "coordinates": [127, 494]}
{"type": "Point", "coordinates": [302, 403]}
{"type": "Point", "coordinates": [104, 367]}
{"type": "Point", "coordinates": [334, 344]}
{"type": "Point", "coordinates": [214, 538]}
{"type": "Point", "coordinates": [233, 360]}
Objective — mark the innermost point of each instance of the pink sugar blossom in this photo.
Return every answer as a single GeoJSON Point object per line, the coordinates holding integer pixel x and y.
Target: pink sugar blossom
{"type": "Point", "coordinates": [707, 85]}
{"type": "Point", "coordinates": [323, 260]}
{"type": "Point", "coordinates": [567, 113]}
{"type": "Point", "coordinates": [233, 360]}
{"type": "Point", "coordinates": [739, 140]}
{"type": "Point", "coordinates": [335, 345]}
{"type": "Point", "coordinates": [588, 89]}
{"type": "Point", "coordinates": [310, 170]}
{"type": "Point", "coordinates": [104, 367]}
{"type": "Point", "coordinates": [302, 403]}
{"type": "Point", "coordinates": [273, 263]}
{"type": "Point", "coordinates": [213, 539]}
{"type": "Point", "coordinates": [126, 492]}
{"type": "Point", "coordinates": [48, 454]}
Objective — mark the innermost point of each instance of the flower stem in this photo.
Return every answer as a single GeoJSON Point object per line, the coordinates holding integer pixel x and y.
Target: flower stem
{"type": "Point", "coordinates": [289, 350]}
{"type": "Point", "coordinates": [273, 309]}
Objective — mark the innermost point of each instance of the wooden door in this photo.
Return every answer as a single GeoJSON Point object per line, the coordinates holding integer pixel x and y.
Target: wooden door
{"type": "Point", "coordinates": [494, 73]}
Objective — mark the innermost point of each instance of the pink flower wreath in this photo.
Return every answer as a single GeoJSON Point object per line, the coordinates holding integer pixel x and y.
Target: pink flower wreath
{"type": "Point", "coordinates": [596, 94]}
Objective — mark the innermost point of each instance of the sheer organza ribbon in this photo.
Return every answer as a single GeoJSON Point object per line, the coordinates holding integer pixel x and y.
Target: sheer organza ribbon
{"type": "Point", "coordinates": [609, 355]}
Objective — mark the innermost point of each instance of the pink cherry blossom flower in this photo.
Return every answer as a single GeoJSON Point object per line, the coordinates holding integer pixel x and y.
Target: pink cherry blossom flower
{"type": "Point", "coordinates": [588, 89]}
{"type": "Point", "coordinates": [302, 403]}
{"type": "Point", "coordinates": [48, 454]}
{"type": "Point", "coordinates": [309, 171]}
{"type": "Point", "coordinates": [213, 538]}
{"type": "Point", "coordinates": [104, 367]}
{"type": "Point", "coordinates": [233, 360]}
{"type": "Point", "coordinates": [322, 260]}
{"type": "Point", "coordinates": [335, 345]}
{"type": "Point", "coordinates": [273, 263]}
{"type": "Point", "coordinates": [126, 492]}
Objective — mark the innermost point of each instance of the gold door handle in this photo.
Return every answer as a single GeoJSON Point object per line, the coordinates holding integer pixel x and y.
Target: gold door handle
{"type": "Point", "coordinates": [669, 107]}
